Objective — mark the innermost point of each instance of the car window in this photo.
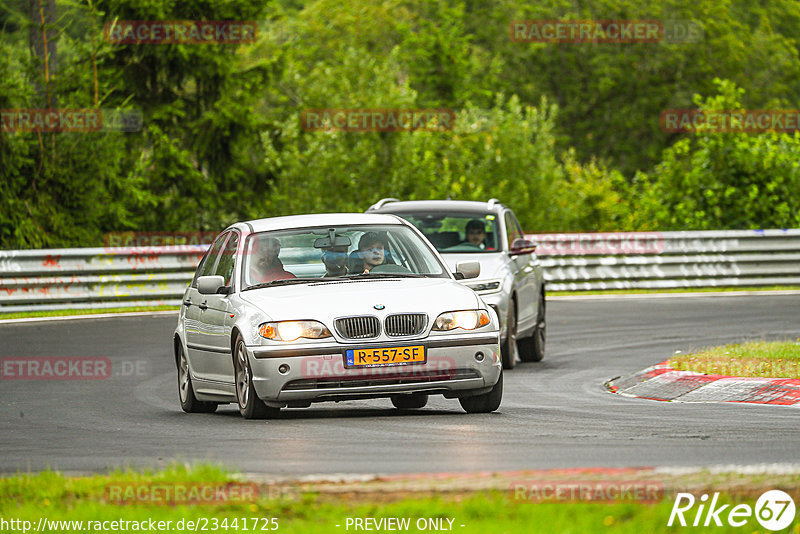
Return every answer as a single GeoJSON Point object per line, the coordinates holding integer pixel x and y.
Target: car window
{"type": "Point", "coordinates": [208, 264]}
{"type": "Point", "coordinates": [299, 253]}
{"type": "Point", "coordinates": [513, 230]}
{"type": "Point", "coordinates": [517, 225]}
{"type": "Point", "coordinates": [227, 259]}
{"type": "Point", "coordinates": [450, 232]}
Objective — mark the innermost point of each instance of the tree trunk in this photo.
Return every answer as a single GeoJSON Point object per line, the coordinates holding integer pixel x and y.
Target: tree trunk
{"type": "Point", "coordinates": [42, 38]}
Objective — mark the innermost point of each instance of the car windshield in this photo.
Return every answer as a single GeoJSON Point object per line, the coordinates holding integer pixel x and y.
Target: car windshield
{"type": "Point", "coordinates": [345, 252]}
{"type": "Point", "coordinates": [453, 233]}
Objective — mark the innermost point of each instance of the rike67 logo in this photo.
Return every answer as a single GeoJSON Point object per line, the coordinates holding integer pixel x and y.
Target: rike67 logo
{"type": "Point", "coordinates": [774, 510]}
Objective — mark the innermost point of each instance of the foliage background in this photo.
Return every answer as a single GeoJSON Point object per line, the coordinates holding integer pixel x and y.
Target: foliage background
{"type": "Point", "coordinates": [567, 134]}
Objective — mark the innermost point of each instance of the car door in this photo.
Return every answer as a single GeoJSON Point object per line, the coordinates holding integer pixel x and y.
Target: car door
{"type": "Point", "coordinates": [524, 268]}
{"type": "Point", "coordinates": [214, 332]}
{"type": "Point", "coordinates": [193, 300]}
{"type": "Point", "coordinates": [201, 354]}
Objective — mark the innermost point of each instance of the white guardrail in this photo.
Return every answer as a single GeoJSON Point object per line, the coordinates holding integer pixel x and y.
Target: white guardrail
{"type": "Point", "coordinates": [138, 276]}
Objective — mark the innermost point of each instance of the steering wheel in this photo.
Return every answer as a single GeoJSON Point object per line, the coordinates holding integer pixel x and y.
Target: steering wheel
{"type": "Point", "coordinates": [389, 268]}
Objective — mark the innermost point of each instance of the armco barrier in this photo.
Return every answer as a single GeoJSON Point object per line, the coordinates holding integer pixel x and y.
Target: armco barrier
{"type": "Point", "coordinates": [136, 276]}
{"type": "Point", "coordinates": [95, 277]}
{"type": "Point", "coordinates": [663, 260]}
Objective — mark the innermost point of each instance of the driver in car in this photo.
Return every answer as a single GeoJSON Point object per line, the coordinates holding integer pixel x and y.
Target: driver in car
{"type": "Point", "coordinates": [476, 233]}
{"type": "Point", "coordinates": [266, 266]}
{"type": "Point", "coordinates": [371, 252]}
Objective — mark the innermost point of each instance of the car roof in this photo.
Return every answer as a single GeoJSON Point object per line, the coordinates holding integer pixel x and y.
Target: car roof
{"type": "Point", "coordinates": [316, 219]}
{"type": "Point", "coordinates": [405, 206]}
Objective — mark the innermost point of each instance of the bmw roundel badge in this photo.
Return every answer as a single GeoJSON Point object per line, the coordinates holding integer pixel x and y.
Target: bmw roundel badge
{"type": "Point", "coordinates": [379, 306]}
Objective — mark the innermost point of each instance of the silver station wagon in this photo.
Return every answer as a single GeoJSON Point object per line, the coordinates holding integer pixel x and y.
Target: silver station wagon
{"type": "Point", "coordinates": [287, 311]}
{"type": "Point", "coordinates": [511, 279]}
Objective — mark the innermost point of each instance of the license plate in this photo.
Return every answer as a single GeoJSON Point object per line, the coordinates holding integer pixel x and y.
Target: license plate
{"type": "Point", "coordinates": [384, 356]}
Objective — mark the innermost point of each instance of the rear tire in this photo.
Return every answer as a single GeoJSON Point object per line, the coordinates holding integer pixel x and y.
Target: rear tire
{"type": "Point", "coordinates": [414, 401]}
{"type": "Point", "coordinates": [250, 406]}
{"type": "Point", "coordinates": [189, 402]}
{"type": "Point", "coordinates": [488, 402]}
{"type": "Point", "coordinates": [531, 349]}
{"type": "Point", "coordinates": [508, 350]}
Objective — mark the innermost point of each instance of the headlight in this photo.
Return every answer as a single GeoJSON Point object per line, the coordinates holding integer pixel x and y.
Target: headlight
{"type": "Point", "coordinates": [486, 285]}
{"type": "Point", "coordinates": [291, 330]}
{"type": "Point", "coordinates": [467, 319]}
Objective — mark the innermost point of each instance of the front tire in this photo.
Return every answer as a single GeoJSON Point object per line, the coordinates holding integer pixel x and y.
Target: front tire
{"type": "Point", "coordinates": [189, 402]}
{"type": "Point", "coordinates": [486, 403]}
{"type": "Point", "coordinates": [414, 401]}
{"type": "Point", "coordinates": [250, 406]}
{"type": "Point", "coordinates": [508, 350]}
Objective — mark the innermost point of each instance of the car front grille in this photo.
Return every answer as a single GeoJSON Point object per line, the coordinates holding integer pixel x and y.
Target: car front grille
{"type": "Point", "coordinates": [363, 327]}
{"type": "Point", "coordinates": [405, 324]}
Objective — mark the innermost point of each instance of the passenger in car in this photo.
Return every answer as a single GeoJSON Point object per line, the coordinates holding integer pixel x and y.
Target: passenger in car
{"type": "Point", "coordinates": [371, 253]}
{"type": "Point", "coordinates": [267, 267]}
{"type": "Point", "coordinates": [476, 233]}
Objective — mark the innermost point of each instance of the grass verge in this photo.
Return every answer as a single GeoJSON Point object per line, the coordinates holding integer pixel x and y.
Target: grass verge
{"type": "Point", "coordinates": [88, 311]}
{"type": "Point", "coordinates": [55, 497]}
{"type": "Point", "coordinates": [767, 359]}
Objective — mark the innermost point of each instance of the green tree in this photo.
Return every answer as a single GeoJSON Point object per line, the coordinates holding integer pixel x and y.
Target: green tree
{"type": "Point", "coordinates": [713, 180]}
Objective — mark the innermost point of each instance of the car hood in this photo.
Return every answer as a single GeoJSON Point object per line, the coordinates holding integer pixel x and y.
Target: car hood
{"type": "Point", "coordinates": [492, 265]}
{"type": "Point", "coordinates": [325, 301]}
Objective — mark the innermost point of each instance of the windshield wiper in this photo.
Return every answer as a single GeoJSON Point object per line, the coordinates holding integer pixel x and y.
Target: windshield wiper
{"type": "Point", "coordinates": [387, 275]}
{"type": "Point", "coordinates": [324, 279]}
{"type": "Point", "coordinates": [285, 282]}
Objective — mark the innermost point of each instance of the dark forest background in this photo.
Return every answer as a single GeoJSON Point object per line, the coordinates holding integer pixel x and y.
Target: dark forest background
{"type": "Point", "coordinates": [567, 134]}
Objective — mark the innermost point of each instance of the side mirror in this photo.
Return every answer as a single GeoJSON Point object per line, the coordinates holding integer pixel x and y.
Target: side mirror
{"type": "Point", "coordinates": [211, 285]}
{"type": "Point", "coordinates": [522, 246]}
{"type": "Point", "coordinates": [467, 269]}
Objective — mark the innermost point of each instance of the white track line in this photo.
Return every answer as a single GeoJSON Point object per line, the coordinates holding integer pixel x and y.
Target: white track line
{"type": "Point", "coordinates": [88, 316]}
{"type": "Point", "coordinates": [555, 296]}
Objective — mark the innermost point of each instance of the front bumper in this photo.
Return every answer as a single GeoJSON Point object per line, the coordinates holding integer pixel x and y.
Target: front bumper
{"type": "Point", "coordinates": [317, 372]}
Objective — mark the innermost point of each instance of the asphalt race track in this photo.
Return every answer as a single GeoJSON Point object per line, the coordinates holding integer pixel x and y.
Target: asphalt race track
{"type": "Point", "coordinates": [554, 414]}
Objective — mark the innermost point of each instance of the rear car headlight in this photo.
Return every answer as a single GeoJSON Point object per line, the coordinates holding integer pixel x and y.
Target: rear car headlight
{"type": "Point", "coordinates": [466, 319]}
{"type": "Point", "coordinates": [292, 330]}
{"type": "Point", "coordinates": [484, 286]}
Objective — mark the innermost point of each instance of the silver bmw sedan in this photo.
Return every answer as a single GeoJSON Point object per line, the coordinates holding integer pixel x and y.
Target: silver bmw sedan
{"type": "Point", "coordinates": [287, 311]}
